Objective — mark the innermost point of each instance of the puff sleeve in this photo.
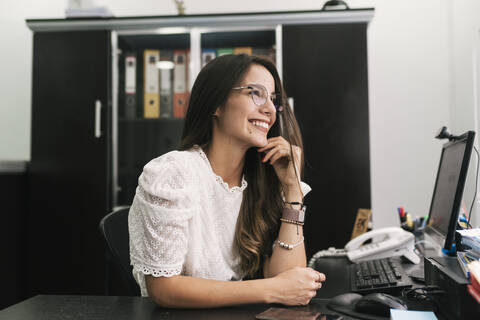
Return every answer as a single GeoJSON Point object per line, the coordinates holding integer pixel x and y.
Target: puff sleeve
{"type": "Point", "coordinates": [305, 188]}
{"type": "Point", "coordinates": [159, 219]}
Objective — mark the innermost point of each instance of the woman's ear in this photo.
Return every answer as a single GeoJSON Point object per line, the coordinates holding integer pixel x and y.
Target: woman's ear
{"type": "Point", "coordinates": [217, 112]}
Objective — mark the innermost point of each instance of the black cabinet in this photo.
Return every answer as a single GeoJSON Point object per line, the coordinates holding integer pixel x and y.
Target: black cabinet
{"type": "Point", "coordinates": [325, 71]}
{"type": "Point", "coordinates": [13, 191]}
{"type": "Point", "coordinates": [87, 151]}
{"type": "Point", "coordinates": [70, 162]}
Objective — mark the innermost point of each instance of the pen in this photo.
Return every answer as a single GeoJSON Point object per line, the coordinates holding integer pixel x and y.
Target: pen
{"type": "Point", "coordinates": [401, 212]}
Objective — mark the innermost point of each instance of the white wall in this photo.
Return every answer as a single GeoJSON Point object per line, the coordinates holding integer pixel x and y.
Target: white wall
{"type": "Point", "coordinates": [466, 81]}
{"type": "Point", "coordinates": [409, 100]}
{"type": "Point", "coordinates": [413, 86]}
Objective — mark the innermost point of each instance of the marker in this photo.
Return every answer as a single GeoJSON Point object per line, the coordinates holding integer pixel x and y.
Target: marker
{"type": "Point", "coordinates": [409, 221]}
{"type": "Point", "coordinates": [401, 213]}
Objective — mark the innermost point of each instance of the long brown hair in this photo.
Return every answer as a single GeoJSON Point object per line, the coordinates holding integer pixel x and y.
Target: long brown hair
{"type": "Point", "coordinates": [258, 222]}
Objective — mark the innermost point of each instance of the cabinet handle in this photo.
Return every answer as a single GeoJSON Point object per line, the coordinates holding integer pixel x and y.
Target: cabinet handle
{"type": "Point", "coordinates": [98, 118]}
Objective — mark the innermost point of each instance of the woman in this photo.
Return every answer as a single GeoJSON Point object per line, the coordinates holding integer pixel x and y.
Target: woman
{"type": "Point", "coordinates": [228, 205]}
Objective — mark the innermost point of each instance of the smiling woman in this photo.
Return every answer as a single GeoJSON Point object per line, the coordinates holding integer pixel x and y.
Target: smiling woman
{"type": "Point", "coordinates": [228, 205]}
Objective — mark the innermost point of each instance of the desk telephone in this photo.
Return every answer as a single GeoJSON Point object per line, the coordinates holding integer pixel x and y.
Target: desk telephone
{"type": "Point", "coordinates": [386, 242]}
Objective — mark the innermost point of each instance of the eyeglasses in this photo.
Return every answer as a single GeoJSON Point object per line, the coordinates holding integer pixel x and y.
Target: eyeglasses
{"type": "Point", "coordinates": [260, 95]}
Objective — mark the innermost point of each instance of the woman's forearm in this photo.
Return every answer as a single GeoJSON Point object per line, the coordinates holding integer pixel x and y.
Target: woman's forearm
{"type": "Point", "coordinates": [284, 259]}
{"type": "Point", "coordinates": [190, 292]}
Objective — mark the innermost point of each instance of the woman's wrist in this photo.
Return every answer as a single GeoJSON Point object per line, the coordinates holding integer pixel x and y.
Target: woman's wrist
{"type": "Point", "coordinates": [267, 289]}
{"type": "Point", "coordinates": [293, 194]}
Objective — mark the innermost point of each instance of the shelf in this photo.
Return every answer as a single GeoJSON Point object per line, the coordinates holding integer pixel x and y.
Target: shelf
{"type": "Point", "coordinates": [153, 120]}
{"type": "Point", "coordinates": [203, 20]}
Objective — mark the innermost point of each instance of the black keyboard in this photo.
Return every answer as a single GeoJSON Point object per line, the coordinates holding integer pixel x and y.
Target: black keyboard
{"type": "Point", "coordinates": [382, 275]}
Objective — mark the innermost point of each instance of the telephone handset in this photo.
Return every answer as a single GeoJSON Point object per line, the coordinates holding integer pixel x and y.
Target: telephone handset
{"type": "Point", "coordinates": [386, 242]}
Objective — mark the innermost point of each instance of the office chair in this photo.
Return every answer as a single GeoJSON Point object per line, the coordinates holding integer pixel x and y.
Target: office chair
{"type": "Point", "coordinates": [114, 228]}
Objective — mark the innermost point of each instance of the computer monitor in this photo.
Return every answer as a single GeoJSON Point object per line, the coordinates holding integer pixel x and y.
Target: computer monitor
{"type": "Point", "coordinates": [448, 190]}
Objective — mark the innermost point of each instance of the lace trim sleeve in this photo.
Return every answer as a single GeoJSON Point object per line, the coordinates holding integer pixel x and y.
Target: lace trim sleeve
{"type": "Point", "coordinates": [159, 220]}
{"type": "Point", "coordinates": [157, 272]}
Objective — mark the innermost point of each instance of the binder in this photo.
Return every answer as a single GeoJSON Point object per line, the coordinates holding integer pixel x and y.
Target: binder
{"type": "Point", "coordinates": [166, 87]}
{"type": "Point", "coordinates": [179, 83]}
{"type": "Point", "coordinates": [130, 86]}
{"type": "Point", "coordinates": [268, 52]}
{"type": "Point", "coordinates": [246, 50]}
{"type": "Point", "coordinates": [151, 104]}
{"type": "Point", "coordinates": [207, 56]}
{"type": "Point", "coordinates": [222, 51]}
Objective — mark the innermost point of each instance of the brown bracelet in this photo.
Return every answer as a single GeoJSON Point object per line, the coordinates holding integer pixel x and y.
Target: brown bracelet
{"type": "Point", "coordinates": [298, 223]}
{"type": "Point", "coordinates": [294, 203]}
{"type": "Point", "coordinates": [293, 214]}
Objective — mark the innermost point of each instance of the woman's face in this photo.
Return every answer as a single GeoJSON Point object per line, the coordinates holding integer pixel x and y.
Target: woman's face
{"type": "Point", "coordinates": [240, 120]}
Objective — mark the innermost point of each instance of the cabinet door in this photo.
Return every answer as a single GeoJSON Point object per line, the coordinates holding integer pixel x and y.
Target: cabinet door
{"type": "Point", "coordinates": [325, 71]}
{"type": "Point", "coordinates": [69, 178]}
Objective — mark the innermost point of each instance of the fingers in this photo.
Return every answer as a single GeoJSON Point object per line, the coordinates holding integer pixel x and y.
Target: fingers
{"type": "Point", "coordinates": [277, 148]}
{"type": "Point", "coordinates": [321, 277]}
{"type": "Point", "coordinates": [271, 142]}
{"type": "Point", "coordinates": [277, 152]}
{"type": "Point", "coordinates": [318, 276]}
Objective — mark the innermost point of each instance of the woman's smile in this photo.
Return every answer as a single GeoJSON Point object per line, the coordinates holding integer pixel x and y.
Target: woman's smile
{"type": "Point", "coordinates": [260, 125]}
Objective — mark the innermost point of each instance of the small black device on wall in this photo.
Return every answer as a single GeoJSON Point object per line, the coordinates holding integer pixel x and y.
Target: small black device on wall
{"type": "Point", "coordinates": [335, 4]}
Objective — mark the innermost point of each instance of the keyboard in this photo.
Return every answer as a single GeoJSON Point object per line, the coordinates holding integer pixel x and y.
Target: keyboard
{"type": "Point", "coordinates": [382, 275]}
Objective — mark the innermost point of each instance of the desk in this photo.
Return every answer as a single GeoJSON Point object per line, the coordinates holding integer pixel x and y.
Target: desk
{"type": "Point", "coordinates": [51, 307]}
{"type": "Point", "coordinates": [338, 275]}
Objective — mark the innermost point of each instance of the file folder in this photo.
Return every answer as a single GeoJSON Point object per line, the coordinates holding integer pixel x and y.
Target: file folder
{"type": "Point", "coordinates": [166, 86]}
{"type": "Point", "coordinates": [246, 50]}
{"type": "Point", "coordinates": [151, 104]}
{"type": "Point", "coordinates": [268, 52]}
{"type": "Point", "coordinates": [222, 51]}
{"type": "Point", "coordinates": [208, 55]}
{"type": "Point", "coordinates": [130, 86]}
{"type": "Point", "coordinates": [179, 83]}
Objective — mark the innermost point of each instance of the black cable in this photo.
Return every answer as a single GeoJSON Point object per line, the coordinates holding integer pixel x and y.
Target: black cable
{"type": "Point", "coordinates": [476, 185]}
{"type": "Point", "coordinates": [424, 294]}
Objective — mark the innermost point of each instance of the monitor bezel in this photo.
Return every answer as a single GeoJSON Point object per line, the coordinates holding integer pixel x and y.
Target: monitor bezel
{"type": "Point", "coordinates": [430, 230]}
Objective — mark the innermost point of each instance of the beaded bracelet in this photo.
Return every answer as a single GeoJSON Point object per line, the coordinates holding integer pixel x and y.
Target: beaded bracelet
{"type": "Point", "coordinates": [298, 223]}
{"type": "Point", "coordinates": [289, 246]}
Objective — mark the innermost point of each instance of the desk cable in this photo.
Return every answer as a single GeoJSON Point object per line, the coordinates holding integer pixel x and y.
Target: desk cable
{"type": "Point", "coordinates": [331, 252]}
{"type": "Point", "coordinates": [423, 294]}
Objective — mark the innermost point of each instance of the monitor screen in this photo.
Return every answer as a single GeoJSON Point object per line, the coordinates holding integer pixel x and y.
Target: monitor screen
{"type": "Point", "coordinates": [448, 191]}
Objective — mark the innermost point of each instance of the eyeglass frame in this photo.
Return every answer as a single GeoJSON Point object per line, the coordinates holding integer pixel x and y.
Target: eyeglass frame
{"type": "Point", "coordinates": [278, 108]}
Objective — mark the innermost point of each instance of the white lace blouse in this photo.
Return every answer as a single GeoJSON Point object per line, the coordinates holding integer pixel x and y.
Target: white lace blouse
{"type": "Point", "coordinates": [182, 220]}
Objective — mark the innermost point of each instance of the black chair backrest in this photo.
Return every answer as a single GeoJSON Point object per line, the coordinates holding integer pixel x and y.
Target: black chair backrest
{"type": "Point", "coordinates": [114, 228]}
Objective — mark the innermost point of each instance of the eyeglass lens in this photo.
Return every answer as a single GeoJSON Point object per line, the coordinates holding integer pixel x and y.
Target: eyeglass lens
{"type": "Point", "coordinates": [260, 95]}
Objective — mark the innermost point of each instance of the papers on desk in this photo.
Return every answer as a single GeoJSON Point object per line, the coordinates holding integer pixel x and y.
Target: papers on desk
{"type": "Point", "coordinates": [470, 238]}
{"type": "Point", "coordinates": [474, 286]}
{"type": "Point", "coordinates": [396, 314]}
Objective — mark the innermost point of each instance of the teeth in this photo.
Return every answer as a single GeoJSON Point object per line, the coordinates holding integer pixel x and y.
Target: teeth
{"type": "Point", "coordinates": [260, 124]}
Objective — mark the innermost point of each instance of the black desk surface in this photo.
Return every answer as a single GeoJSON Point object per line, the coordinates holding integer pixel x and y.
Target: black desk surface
{"type": "Point", "coordinates": [53, 307]}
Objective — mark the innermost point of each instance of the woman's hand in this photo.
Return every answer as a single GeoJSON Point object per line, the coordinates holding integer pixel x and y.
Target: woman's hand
{"type": "Point", "coordinates": [277, 153]}
{"type": "Point", "coordinates": [296, 286]}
